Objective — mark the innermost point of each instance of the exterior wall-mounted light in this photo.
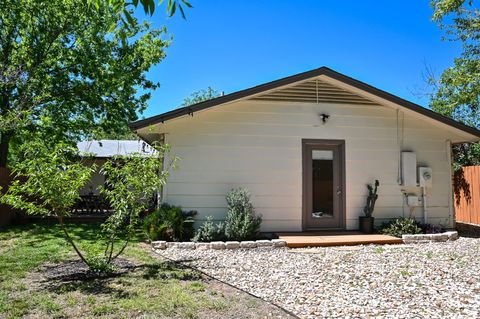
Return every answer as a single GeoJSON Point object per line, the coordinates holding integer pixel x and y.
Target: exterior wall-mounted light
{"type": "Point", "coordinates": [324, 117]}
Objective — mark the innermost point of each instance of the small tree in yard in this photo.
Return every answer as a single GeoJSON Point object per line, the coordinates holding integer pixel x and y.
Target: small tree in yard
{"type": "Point", "coordinates": [131, 183]}
{"type": "Point", "coordinates": [52, 176]}
{"type": "Point", "coordinates": [47, 183]}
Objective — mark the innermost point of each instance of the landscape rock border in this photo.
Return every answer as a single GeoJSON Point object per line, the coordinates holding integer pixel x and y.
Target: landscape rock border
{"type": "Point", "coordinates": [218, 245]}
{"type": "Point", "coordinates": [426, 238]}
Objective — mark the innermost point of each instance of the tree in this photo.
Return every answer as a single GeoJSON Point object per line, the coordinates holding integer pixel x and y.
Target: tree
{"type": "Point", "coordinates": [200, 96]}
{"type": "Point", "coordinates": [123, 7]}
{"type": "Point", "coordinates": [131, 182]}
{"type": "Point", "coordinates": [457, 91]}
{"type": "Point", "coordinates": [47, 183]}
{"type": "Point", "coordinates": [119, 135]}
{"type": "Point", "coordinates": [69, 69]}
{"type": "Point", "coordinates": [50, 176]}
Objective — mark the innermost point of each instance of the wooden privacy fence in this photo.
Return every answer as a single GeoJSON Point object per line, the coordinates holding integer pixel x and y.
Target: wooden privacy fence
{"type": "Point", "coordinates": [467, 195]}
{"type": "Point", "coordinates": [6, 212]}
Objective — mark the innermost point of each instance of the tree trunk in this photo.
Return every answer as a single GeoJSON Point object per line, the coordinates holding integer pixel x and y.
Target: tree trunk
{"type": "Point", "coordinates": [70, 240]}
{"type": "Point", "coordinates": [5, 138]}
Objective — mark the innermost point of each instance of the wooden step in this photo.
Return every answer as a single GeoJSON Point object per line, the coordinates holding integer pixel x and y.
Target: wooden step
{"type": "Point", "coordinates": [297, 240]}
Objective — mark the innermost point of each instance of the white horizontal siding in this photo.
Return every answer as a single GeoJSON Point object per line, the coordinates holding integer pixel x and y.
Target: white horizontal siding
{"type": "Point", "coordinates": [257, 145]}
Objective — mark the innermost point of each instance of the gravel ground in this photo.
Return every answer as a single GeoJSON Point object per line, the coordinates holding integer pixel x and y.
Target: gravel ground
{"type": "Point", "coordinates": [434, 280]}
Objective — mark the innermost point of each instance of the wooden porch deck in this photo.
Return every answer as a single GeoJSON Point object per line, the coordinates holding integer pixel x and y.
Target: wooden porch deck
{"type": "Point", "coordinates": [325, 239]}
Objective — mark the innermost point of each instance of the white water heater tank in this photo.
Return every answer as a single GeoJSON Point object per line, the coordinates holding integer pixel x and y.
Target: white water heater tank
{"type": "Point", "coordinates": [409, 169]}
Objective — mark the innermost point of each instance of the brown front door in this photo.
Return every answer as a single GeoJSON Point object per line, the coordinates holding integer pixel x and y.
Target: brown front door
{"type": "Point", "coordinates": [323, 184]}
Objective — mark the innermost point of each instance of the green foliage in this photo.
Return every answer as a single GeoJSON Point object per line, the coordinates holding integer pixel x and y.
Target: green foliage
{"type": "Point", "coordinates": [131, 182]}
{"type": "Point", "coordinates": [97, 261]}
{"type": "Point", "coordinates": [119, 135]}
{"type": "Point", "coordinates": [466, 155]}
{"type": "Point", "coordinates": [47, 180]}
{"type": "Point", "coordinates": [371, 199]}
{"type": "Point", "coordinates": [401, 226]}
{"type": "Point", "coordinates": [209, 231]}
{"type": "Point", "coordinates": [67, 73]}
{"type": "Point", "coordinates": [241, 222]}
{"type": "Point", "coordinates": [445, 7]}
{"type": "Point", "coordinates": [176, 291]}
{"type": "Point", "coordinates": [123, 7]}
{"type": "Point", "coordinates": [200, 96]}
{"type": "Point", "coordinates": [457, 91]}
{"type": "Point", "coordinates": [169, 223]}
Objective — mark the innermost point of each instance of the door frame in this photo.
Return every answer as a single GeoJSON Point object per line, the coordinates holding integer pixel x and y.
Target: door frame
{"type": "Point", "coordinates": [307, 196]}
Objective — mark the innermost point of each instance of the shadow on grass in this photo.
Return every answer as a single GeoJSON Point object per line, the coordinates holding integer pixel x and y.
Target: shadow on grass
{"type": "Point", "coordinates": [90, 287]}
{"type": "Point", "coordinates": [169, 270]}
{"type": "Point", "coordinates": [44, 242]}
{"type": "Point", "coordinates": [75, 276]}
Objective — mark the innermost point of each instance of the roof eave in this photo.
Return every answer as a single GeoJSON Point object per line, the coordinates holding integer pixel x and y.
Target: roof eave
{"type": "Point", "coordinates": [189, 110]}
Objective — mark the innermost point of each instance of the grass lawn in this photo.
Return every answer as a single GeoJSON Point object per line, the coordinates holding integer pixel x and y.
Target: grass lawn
{"type": "Point", "coordinates": [32, 255]}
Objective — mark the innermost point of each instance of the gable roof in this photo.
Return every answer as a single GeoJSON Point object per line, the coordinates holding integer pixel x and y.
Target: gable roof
{"type": "Point", "coordinates": [111, 148]}
{"type": "Point", "coordinates": [189, 110]}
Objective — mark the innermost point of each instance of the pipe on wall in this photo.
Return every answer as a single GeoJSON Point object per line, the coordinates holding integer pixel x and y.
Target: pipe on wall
{"type": "Point", "coordinates": [424, 201]}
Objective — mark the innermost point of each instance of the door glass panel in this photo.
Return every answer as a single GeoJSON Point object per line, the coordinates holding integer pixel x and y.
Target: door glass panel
{"type": "Point", "coordinates": [322, 183]}
{"type": "Point", "coordinates": [322, 155]}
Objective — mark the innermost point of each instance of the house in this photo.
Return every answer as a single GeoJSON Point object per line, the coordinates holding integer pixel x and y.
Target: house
{"type": "Point", "coordinates": [98, 151]}
{"type": "Point", "coordinates": [306, 146]}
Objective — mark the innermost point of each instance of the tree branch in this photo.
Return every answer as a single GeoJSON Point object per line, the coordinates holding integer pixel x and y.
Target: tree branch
{"type": "Point", "coordinates": [70, 240]}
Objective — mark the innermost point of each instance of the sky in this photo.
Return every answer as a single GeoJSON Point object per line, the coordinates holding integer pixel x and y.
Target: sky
{"type": "Point", "coordinates": [232, 45]}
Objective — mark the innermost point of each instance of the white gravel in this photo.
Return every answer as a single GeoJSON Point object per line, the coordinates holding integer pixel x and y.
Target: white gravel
{"type": "Point", "coordinates": [433, 280]}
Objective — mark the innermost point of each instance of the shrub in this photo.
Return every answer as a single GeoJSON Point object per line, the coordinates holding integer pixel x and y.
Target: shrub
{"type": "Point", "coordinates": [241, 222]}
{"type": "Point", "coordinates": [209, 231]}
{"type": "Point", "coordinates": [98, 263]}
{"type": "Point", "coordinates": [430, 228]}
{"type": "Point", "coordinates": [401, 226]}
{"type": "Point", "coordinates": [169, 223]}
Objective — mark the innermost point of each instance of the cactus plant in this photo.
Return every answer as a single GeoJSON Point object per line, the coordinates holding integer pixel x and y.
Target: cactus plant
{"type": "Point", "coordinates": [371, 199]}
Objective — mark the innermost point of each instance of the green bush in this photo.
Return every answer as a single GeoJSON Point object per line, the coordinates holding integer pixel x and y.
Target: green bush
{"type": "Point", "coordinates": [169, 223]}
{"type": "Point", "coordinates": [401, 226]}
{"type": "Point", "coordinates": [209, 231]}
{"type": "Point", "coordinates": [241, 222]}
{"type": "Point", "coordinates": [99, 264]}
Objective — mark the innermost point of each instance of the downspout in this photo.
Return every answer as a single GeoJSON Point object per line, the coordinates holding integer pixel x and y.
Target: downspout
{"type": "Point", "coordinates": [450, 190]}
{"type": "Point", "coordinates": [424, 200]}
{"type": "Point", "coordinates": [400, 135]}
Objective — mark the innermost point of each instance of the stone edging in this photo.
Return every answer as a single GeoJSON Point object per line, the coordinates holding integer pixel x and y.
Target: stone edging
{"type": "Point", "coordinates": [274, 243]}
{"type": "Point", "coordinates": [425, 238]}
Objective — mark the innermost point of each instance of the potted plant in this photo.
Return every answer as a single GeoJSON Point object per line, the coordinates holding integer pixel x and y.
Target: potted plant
{"type": "Point", "coordinates": [366, 222]}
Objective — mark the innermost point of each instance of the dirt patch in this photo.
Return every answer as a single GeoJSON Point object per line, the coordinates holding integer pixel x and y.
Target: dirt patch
{"type": "Point", "coordinates": [77, 270]}
{"type": "Point", "coordinates": [81, 294]}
